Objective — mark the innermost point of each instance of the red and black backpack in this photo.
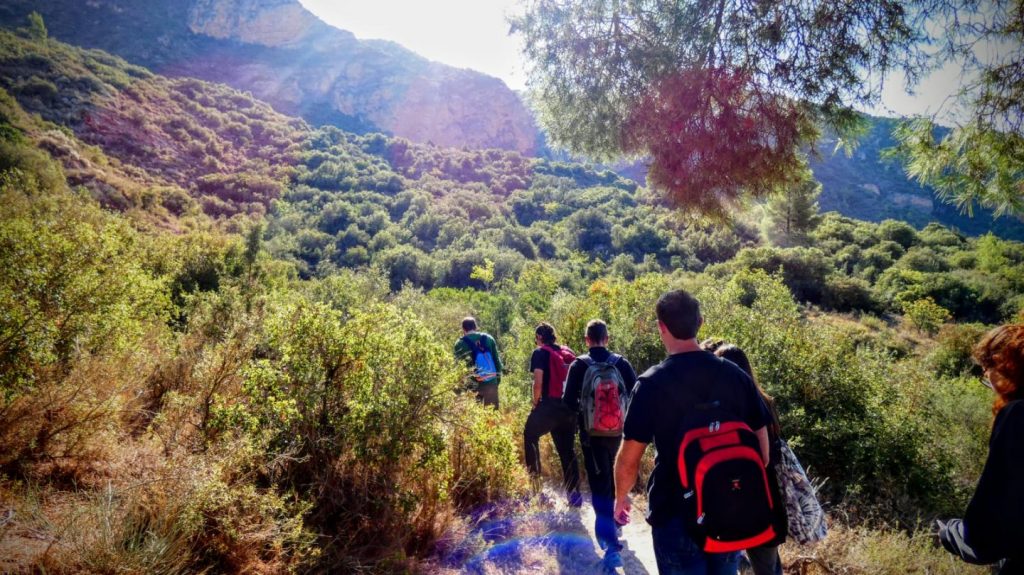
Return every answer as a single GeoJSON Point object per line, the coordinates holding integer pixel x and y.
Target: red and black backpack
{"type": "Point", "coordinates": [724, 480]}
{"type": "Point", "coordinates": [603, 397]}
{"type": "Point", "coordinates": [560, 358]}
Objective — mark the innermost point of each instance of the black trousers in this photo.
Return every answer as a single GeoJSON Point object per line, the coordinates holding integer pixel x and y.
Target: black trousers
{"type": "Point", "coordinates": [552, 416]}
{"type": "Point", "coordinates": [599, 459]}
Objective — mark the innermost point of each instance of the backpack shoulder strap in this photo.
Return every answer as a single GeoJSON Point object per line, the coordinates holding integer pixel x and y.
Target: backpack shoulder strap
{"type": "Point", "coordinates": [469, 344]}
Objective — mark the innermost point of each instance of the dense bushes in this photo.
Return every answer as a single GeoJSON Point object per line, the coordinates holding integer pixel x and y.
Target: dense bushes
{"type": "Point", "coordinates": [847, 408]}
{"type": "Point", "coordinates": [77, 302]}
{"type": "Point", "coordinates": [270, 417]}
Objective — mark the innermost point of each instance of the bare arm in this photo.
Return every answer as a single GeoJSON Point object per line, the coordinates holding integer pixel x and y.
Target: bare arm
{"type": "Point", "coordinates": [762, 438]}
{"type": "Point", "coordinates": [538, 384]}
{"type": "Point", "coordinates": [627, 465]}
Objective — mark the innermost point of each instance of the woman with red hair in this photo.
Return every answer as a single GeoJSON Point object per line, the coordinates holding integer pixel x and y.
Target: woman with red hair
{"type": "Point", "coordinates": [992, 530]}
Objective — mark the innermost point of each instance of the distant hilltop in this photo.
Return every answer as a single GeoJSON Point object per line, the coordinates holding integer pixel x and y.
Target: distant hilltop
{"type": "Point", "coordinates": [288, 57]}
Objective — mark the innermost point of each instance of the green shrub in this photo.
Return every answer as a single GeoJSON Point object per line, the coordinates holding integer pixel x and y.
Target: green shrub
{"type": "Point", "coordinates": [923, 259]}
{"type": "Point", "coordinates": [804, 270]}
{"type": "Point", "coordinates": [36, 87]}
{"type": "Point", "coordinates": [844, 293]}
{"type": "Point", "coordinates": [951, 356]}
{"type": "Point", "coordinates": [900, 232]}
{"type": "Point", "coordinates": [848, 409]}
{"type": "Point", "coordinates": [926, 315]}
{"type": "Point", "coordinates": [75, 295]}
{"type": "Point", "coordinates": [360, 402]}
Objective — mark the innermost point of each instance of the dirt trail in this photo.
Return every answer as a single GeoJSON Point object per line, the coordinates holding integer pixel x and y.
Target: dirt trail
{"type": "Point", "coordinates": [544, 535]}
{"type": "Point", "coordinates": [638, 550]}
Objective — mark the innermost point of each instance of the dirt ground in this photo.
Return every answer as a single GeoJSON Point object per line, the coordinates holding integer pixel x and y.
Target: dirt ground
{"type": "Point", "coordinates": [545, 535]}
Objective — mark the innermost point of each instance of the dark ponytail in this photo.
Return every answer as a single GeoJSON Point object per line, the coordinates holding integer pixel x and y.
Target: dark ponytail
{"type": "Point", "coordinates": [546, 333]}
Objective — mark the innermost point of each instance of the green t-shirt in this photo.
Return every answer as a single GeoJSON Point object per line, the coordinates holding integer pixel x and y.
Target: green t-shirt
{"type": "Point", "coordinates": [463, 352]}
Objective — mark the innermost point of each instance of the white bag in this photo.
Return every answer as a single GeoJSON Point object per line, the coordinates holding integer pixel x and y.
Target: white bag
{"type": "Point", "coordinates": [806, 517]}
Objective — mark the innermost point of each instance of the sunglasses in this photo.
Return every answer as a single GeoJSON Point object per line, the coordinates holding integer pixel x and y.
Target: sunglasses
{"type": "Point", "coordinates": [986, 382]}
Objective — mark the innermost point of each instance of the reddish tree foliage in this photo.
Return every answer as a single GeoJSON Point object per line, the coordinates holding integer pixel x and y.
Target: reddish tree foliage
{"type": "Point", "coordinates": [713, 136]}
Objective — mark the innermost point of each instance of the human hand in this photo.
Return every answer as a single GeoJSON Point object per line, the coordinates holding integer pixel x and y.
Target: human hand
{"type": "Point", "coordinates": [622, 508]}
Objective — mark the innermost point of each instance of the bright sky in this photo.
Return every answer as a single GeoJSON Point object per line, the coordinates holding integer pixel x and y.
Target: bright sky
{"type": "Point", "coordinates": [474, 34]}
{"type": "Point", "coordinates": [462, 33]}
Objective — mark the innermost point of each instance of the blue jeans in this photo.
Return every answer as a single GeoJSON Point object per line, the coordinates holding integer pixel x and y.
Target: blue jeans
{"type": "Point", "coordinates": [677, 554]}
{"type": "Point", "coordinates": [599, 459]}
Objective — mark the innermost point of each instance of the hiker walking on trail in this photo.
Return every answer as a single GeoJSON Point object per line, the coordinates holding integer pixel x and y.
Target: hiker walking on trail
{"type": "Point", "coordinates": [597, 390]}
{"type": "Point", "coordinates": [992, 530]}
{"type": "Point", "coordinates": [707, 495]}
{"type": "Point", "coordinates": [764, 559]}
{"type": "Point", "coordinates": [549, 365]}
{"type": "Point", "coordinates": [480, 353]}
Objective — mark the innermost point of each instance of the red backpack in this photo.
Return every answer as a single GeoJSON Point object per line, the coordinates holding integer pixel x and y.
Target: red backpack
{"type": "Point", "coordinates": [603, 398]}
{"type": "Point", "coordinates": [559, 360]}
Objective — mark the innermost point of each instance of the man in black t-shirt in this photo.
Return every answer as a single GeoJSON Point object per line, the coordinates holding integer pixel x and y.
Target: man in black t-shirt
{"type": "Point", "coordinates": [599, 452]}
{"type": "Point", "coordinates": [663, 394]}
{"type": "Point", "coordinates": [549, 414]}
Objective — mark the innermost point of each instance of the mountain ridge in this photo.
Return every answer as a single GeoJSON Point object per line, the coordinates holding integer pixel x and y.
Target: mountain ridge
{"type": "Point", "coordinates": [288, 57]}
{"type": "Point", "coordinates": [283, 54]}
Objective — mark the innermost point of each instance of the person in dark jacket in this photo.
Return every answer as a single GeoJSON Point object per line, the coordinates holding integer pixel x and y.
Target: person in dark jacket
{"type": "Point", "coordinates": [764, 560]}
{"type": "Point", "coordinates": [599, 452]}
{"type": "Point", "coordinates": [992, 529]}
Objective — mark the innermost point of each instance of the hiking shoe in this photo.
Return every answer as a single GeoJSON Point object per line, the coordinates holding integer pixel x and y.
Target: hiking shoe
{"type": "Point", "coordinates": [575, 500]}
{"type": "Point", "coordinates": [613, 559]}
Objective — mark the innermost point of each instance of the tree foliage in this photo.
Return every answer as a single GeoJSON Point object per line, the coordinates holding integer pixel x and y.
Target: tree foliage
{"type": "Point", "coordinates": [792, 212]}
{"type": "Point", "coordinates": [37, 27]}
{"type": "Point", "coordinates": [972, 165]}
{"type": "Point", "coordinates": [699, 82]}
{"type": "Point", "coordinates": [981, 161]}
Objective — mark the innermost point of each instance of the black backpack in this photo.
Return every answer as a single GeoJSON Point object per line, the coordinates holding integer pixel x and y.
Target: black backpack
{"type": "Point", "coordinates": [724, 478]}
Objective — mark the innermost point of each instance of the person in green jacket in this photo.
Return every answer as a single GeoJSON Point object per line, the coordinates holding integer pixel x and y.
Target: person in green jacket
{"type": "Point", "coordinates": [480, 353]}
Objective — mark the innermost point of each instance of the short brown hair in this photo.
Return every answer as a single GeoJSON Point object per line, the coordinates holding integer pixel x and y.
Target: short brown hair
{"type": "Point", "coordinates": [469, 324]}
{"type": "Point", "coordinates": [597, 330]}
{"type": "Point", "coordinates": [680, 312]}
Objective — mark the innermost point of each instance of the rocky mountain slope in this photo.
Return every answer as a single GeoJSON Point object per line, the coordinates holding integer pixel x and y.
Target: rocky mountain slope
{"type": "Point", "coordinates": [286, 56]}
{"type": "Point", "coordinates": [865, 185]}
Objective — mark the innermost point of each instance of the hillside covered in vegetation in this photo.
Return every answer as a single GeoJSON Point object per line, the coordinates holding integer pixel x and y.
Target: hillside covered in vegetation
{"type": "Point", "coordinates": [284, 54]}
{"type": "Point", "coordinates": [226, 335]}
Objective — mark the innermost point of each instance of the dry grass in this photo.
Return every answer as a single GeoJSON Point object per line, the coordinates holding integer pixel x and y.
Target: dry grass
{"type": "Point", "coordinates": [864, 551]}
